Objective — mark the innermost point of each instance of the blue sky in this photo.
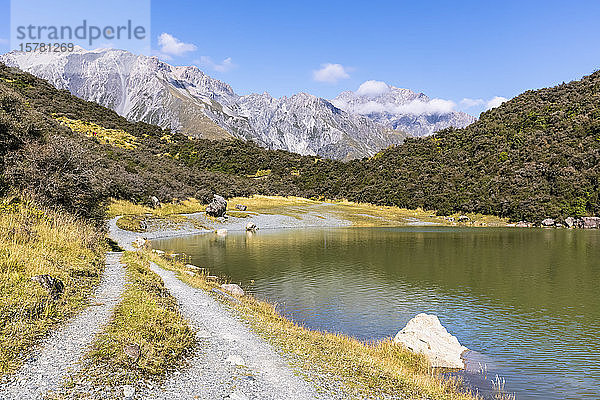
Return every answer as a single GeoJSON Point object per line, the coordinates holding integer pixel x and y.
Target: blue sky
{"type": "Point", "coordinates": [451, 50]}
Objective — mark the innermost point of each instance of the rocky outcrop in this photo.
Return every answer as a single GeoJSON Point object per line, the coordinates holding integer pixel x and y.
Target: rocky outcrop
{"type": "Point", "coordinates": [424, 334]}
{"type": "Point", "coordinates": [217, 207]}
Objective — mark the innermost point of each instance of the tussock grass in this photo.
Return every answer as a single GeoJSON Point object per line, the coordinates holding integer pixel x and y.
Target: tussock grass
{"type": "Point", "coordinates": [35, 241]}
{"type": "Point", "coordinates": [360, 369]}
{"type": "Point", "coordinates": [147, 317]}
{"type": "Point", "coordinates": [114, 137]}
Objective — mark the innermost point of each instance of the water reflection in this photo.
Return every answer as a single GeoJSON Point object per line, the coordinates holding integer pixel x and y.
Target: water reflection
{"type": "Point", "coordinates": [525, 298]}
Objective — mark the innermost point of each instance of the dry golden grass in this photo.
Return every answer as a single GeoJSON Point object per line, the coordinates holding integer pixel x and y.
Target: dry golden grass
{"type": "Point", "coordinates": [148, 317]}
{"type": "Point", "coordinates": [360, 214]}
{"type": "Point", "coordinates": [34, 241]}
{"type": "Point", "coordinates": [114, 137]}
{"type": "Point", "coordinates": [363, 369]}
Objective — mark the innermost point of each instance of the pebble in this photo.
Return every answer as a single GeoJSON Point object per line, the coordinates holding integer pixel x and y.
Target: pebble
{"type": "Point", "coordinates": [128, 391]}
{"type": "Point", "coordinates": [235, 359]}
{"type": "Point", "coordinates": [237, 395]}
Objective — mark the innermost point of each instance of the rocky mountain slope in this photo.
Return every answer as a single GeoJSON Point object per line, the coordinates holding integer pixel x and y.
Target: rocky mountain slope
{"type": "Point", "coordinates": [186, 100]}
{"type": "Point", "coordinates": [402, 109]}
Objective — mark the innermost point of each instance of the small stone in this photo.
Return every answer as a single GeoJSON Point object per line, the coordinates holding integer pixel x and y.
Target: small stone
{"type": "Point", "coordinates": [237, 395]}
{"type": "Point", "coordinates": [234, 359]}
{"type": "Point", "coordinates": [154, 202]}
{"type": "Point", "coordinates": [241, 207]}
{"type": "Point", "coordinates": [233, 289]}
{"type": "Point", "coordinates": [128, 391]}
{"type": "Point", "coordinates": [54, 286]}
{"type": "Point", "coordinates": [548, 222]}
{"type": "Point", "coordinates": [251, 227]}
{"type": "Point", "coordinates": [132, 351]}
{"type": "Point", "coordinates": [463, 218]}
{"type": "Point", "coordinates": [139, 242]}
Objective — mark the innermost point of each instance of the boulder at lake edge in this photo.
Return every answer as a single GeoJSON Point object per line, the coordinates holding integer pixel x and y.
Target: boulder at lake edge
{"type": "Point", "coordinates": [424, 334]}
{"type": "Point", "coordinates": [217, 207]}
{"type": "Point", "coordinates": [548, 222]}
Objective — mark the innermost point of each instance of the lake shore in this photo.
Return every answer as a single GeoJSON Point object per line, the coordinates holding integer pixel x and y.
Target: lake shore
{"type": "Point", "coordinates": [334, 363]}
{"type": "Point", "coordinates": [274, 212]}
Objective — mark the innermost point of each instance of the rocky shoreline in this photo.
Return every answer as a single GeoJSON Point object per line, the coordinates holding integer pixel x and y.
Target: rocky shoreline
{"type": "Point", "coordinates": [570, 223]}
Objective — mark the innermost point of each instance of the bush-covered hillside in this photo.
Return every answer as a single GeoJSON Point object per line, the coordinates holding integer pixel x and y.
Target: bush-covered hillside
{"type": "Point", "coordinates": [537, 155]}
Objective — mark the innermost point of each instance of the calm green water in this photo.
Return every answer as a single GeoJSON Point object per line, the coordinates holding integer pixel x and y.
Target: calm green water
{"type": "Point", "coordinates": [527, 300]}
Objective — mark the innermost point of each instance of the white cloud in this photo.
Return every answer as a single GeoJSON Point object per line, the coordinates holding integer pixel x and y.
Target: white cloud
{"type": "Point", "coordinates": [171, 45]}
{"type": "Point", "coordinates": [468, 103]}
{"type": "Point", "coordinates": [330, 73]}
{"type": "Point", "coordinates": [415, 107]}
{"type": "Point", "coordinates": [372, 88]}
{"type": "Point", "coordinates": [488, 104]}
{"type": "Point", "coordinates": [495, 102]}
{"type": "Point", "coordinates": [207, 62]}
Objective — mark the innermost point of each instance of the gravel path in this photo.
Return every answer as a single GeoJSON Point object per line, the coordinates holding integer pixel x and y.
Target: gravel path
{"type": "Point", "coordinates": [59, 354]}
{"type": "Point", "coordinates": [232, 362]}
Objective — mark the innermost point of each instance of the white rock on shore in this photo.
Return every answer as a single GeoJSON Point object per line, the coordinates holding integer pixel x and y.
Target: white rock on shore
{"type": "Point", "coordinates": [233, 289]}
{"type": "Point", "coordinates": [425, 334]}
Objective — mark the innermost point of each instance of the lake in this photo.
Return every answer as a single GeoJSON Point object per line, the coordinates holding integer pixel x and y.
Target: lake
{"type": "Point", "coordinates": [527, 301]}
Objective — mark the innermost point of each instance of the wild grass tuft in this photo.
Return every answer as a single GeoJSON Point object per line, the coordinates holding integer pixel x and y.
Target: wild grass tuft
{"type": "Point", "coordinates": [36, 241]}
{"type": "Point", "coordinates": [148, 319]}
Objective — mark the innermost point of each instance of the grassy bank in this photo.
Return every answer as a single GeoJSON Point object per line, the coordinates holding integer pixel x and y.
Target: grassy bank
{"type": "Point", "coordinates": [360, 214]}
{"type": "Point", "coordinates": [146, 336]}
{"type": "Point", "coordinates": [331, 360]}
{"type": "Point", "coordinates": [36, 241]}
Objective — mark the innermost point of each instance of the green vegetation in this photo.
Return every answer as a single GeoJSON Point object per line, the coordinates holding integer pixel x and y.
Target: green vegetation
{"type": "Point", "coordinates": [36, 241]}
{"type": "Point", "coordinates": [527, 159]}
{"type": "Point", "coordinates": [148, 322]}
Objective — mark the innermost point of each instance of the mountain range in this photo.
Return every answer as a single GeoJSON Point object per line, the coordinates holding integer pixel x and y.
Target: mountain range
{"type": "Point", "coordinates": [185, 99]}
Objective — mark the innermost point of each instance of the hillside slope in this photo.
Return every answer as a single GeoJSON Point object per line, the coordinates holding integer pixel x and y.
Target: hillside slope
{"type": "Point", "coordinates": [535, 156]}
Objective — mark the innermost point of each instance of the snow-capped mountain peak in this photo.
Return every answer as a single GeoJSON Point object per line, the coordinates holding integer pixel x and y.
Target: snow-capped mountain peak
{"type": "Point", "coordinates": [185, 99]}
{"type": "Point", "coordinates": [402, 109]}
